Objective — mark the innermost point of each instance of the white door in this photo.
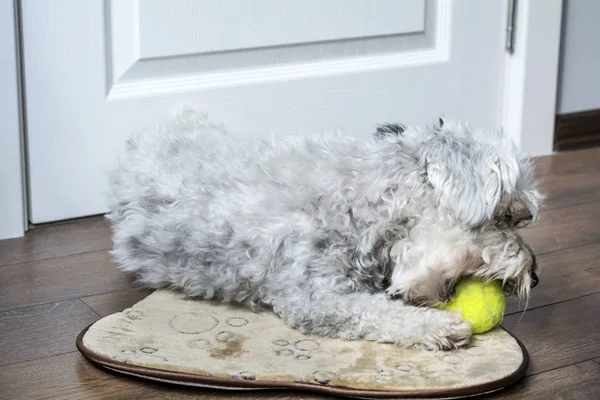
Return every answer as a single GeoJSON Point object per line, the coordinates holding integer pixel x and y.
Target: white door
{"type": "Point", "coordinates": [97, 70]}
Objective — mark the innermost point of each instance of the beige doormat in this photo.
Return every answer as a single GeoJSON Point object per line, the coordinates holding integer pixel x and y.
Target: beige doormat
{"type": "Point", "coordinates": [169, 338]}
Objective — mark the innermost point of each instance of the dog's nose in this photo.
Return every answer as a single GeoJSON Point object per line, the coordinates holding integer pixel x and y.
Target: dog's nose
{"type": "Point", "coordinates": [449, 293]}
{"type": "Point", "coordinates": [534, 280]}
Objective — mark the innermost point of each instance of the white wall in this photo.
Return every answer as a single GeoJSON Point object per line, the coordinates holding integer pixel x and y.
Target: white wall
{"type": "Point", "coordinates": [579, 79]}
{"type": "Point", "coordinates": [12, 220]}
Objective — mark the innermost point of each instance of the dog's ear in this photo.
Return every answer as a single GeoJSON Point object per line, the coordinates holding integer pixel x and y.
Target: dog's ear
{"type": "Point", "coordinates": [468, 180]}
{"type": "Point", "coordinates": [472, 185]}
{"type": "Point", "coordinates": [500, 172]}
{"type": "Point", "coordinates": [438, 125]}
{"type": "Point", "coordinates": [441, 122]}
{"type": "Point", "coordinates": [459, 189]}
{"type": "Point", "coordinates": [386, 130]}
{"type": "Point", "coordinates": [477, 177]}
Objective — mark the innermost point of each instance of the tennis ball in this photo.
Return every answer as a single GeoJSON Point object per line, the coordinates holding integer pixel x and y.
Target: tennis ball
{"type": "Point", "coordinates": [481, 303]}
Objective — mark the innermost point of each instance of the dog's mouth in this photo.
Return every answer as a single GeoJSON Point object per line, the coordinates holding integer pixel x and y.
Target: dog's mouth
{"type": "Point", "coordinates": [420, 301]}
{"type": "Point", "coordinates": [521, 287]}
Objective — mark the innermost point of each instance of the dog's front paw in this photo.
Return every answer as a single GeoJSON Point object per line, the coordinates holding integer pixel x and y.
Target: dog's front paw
{"type": "Point", "coordinates": [448, 332]}
{"type": "Point", "coordinates": [424, 328]}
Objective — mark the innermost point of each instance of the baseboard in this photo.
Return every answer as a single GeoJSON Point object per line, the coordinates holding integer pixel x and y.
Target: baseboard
{"type": "Point", "coordinates": [579, 130]}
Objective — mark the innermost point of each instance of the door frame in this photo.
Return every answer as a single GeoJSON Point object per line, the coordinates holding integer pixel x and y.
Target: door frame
{"type": "Point", "coordinates": [13, 220]}
{"type": "Point", "coordinates": [528, 115]}
{"type": "Point", "coordinates": [531, 76]}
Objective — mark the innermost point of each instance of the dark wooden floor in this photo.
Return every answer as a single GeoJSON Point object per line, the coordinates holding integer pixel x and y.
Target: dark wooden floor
{"type": "Point", "coordinates": [58, 279]}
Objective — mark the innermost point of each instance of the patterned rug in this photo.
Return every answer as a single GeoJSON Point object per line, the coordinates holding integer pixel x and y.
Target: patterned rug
{"type": "Point", "coordinates": [169, 338]}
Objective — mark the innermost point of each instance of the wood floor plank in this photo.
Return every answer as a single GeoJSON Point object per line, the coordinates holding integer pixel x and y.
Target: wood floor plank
{"type": "Point", "coordinates": [564, 228]}
{"type": "Point", "coordinates": [70, 376]}
{"type": "Point", "coordinates": [570, 189]}
{"type": "Point", "coordinates": [40, 331]}
{"type": "Point", "coordinates": [574, 382]}
{"type": "Point", "coordinates": [568, 162]}
{"type": "Point", "coordinates": [44, 281]}
{"type": "Point", "coordinates": [110, 303]}
{"type": "Point", "coordinates": [90, 234]}
{"type": "Point", "coordinates": [569, 178]}
{"type": "Point", "coordinates": [564, 275]}
{"type": "Point", "coordinates": [559, 335]}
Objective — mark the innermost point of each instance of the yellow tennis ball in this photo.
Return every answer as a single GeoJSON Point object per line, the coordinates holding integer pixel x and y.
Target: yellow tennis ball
{"type": "Point", "coordinates": [481, 303]}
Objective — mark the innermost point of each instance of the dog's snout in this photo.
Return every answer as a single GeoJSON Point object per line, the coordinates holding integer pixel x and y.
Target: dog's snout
{"type": "Point", "coordinates": [534, 280]}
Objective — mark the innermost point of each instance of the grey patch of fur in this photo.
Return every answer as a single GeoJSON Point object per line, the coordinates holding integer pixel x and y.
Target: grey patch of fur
{"type": "Point", "coordinates": [389, 130]}
{"type": "Point", "coordinates": [326, 230]}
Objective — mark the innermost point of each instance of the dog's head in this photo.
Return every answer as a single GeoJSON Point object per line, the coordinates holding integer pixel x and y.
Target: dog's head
{"type": "Point", "coordinates": [477, 190]}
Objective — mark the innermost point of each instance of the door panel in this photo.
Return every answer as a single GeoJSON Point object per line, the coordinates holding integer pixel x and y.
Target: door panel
{"type": "Point", "coordinates": [192, 27]}
{"type": "Point", "coordinates": [96, 71]}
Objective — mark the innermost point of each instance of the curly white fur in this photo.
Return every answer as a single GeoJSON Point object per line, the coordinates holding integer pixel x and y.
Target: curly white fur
{"type": "Point", "coordinates": [340, 236]}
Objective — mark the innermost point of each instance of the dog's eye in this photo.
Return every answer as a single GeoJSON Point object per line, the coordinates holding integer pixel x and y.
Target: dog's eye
{"type": "Point", "coordinates": [515, 221]}
{"type": "Point", "coordinates": [523, 221]}
{"type": "Point", "coordinates": [505, 219]}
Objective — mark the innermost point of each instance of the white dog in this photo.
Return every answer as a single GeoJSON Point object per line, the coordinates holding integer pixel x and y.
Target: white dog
{"type": "Point", "coordinates": [354, 238]}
